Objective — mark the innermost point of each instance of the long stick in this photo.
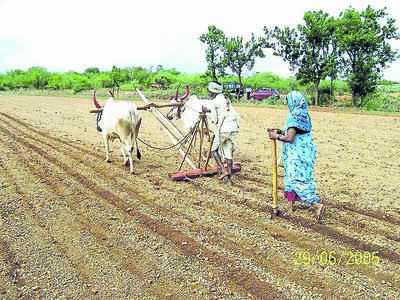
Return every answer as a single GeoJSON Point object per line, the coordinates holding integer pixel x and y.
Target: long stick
{"type": "Point", "coordinates": [161, 118]}
{"type": "Point", "coordinates": [172, 135]}
{"type": "Point", "coordinates": [190, 144]}
{"type": "Point", "coordinates": [201, 141]}
{"type": "Point", "coordinates": [209, 153]}
{"type": "Point", "coordinates": [274, 178]}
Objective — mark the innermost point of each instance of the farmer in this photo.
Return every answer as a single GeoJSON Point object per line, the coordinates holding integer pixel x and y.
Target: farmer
{"type": "Point", "coordinates": [298, 154]}
{"type": "Point", "coordinates": [226, 128]}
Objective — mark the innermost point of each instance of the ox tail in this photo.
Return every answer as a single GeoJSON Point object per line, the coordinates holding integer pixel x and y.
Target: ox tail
{"type": "Point", "coordinates": [136, 133]}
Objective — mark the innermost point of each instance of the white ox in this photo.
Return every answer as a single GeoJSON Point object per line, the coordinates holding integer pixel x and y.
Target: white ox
{"type": "Point", "coordinates": [189, 112]}
{"type": "Point", "coordinates": [119, 120]}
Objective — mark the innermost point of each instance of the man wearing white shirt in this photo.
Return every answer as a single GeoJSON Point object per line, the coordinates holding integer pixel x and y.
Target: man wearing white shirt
{"type": "Point", "coordinates": [226, 129]}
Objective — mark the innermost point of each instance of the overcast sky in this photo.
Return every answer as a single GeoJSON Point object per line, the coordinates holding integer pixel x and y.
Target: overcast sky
{"type": "Point", "coordinates": [64, 35]}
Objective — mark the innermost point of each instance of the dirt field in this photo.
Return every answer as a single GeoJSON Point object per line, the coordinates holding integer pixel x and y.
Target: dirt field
{"type": "Point", "coordinates": [73, 226]}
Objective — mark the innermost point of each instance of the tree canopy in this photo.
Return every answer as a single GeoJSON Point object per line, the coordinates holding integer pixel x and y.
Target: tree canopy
{"type": "Point", "coordinates": [363, 37]}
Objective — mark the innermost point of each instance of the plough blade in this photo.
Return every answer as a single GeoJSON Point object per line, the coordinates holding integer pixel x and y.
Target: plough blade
{"type": "Point", "coordinates": [195, 173]}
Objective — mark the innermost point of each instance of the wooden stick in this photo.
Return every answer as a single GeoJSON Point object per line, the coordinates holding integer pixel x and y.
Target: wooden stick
{"type": "Point", "coordinates": [174, 136]}
{"type": "Point", "coordinates": [209, 152]}
{"type": "Point", "coordinates": [161, 118]}
{"type": "Point", "coordinates": [201, 141]}
{"type": "Point", "coordinates": [95, 111]}
{"type": "Point", "coordinates": [274, 178]}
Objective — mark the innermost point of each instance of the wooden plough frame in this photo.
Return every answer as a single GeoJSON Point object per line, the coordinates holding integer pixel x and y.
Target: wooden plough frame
{"type": "Point", "coordinates": [175, 135]}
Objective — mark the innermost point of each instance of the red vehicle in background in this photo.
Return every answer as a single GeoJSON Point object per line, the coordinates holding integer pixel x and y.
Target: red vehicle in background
{"type": "Point", "coordinates": [264, 93]}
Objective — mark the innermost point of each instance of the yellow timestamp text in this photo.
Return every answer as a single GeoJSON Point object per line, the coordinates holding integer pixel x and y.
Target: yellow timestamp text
{"type": "Point", "coordinates": [332, 258]}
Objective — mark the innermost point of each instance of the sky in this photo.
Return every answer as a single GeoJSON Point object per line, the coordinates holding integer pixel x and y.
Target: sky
{"type": "Point", "coordinates": [64, 35]}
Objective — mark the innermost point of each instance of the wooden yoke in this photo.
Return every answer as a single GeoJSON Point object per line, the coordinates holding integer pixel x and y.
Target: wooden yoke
{"type": "Point", "coordinates": [146, 107]}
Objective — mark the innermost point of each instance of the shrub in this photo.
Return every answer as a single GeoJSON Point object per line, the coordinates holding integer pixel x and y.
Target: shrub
{"type": "Point", "coordinates": [382, 102]}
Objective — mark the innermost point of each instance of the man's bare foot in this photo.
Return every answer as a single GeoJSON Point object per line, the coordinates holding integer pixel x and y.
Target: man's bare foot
{"type": "Point", "coordinates": [228, 180]}
{"type": "Point", "coordinates": [223, 176]}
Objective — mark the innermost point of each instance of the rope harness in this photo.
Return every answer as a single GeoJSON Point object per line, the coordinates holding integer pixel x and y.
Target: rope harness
{"type": "Point", "coordinates": [182, 141]}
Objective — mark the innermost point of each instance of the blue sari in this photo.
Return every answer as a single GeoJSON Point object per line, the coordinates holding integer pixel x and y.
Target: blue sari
{"type": "Point", "coordinates": [299, 157]}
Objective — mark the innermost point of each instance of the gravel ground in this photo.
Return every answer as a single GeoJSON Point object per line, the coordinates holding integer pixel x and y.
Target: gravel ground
{"type": "Point", "coordinates": [73, 226]}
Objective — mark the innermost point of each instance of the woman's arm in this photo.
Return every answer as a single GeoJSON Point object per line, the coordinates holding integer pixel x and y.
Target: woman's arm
{"type": "Point", "coordinates": [285, 138]}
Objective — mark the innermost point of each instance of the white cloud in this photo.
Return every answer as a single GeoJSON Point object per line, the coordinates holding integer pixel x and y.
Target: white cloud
{"type": "Point", "coordinates": [73, 35]}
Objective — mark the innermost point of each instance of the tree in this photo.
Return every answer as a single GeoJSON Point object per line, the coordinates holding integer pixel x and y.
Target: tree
{"type": "Point", "coordinates": [141, 75]}
{"type": "Point", "coordinates": [363, 38]}
{"type": "Point", "coordinates": [92, 70]}
{"type": "Point", "coordinates": [214, 40]}
{"type": "Point", "coordinates": [38, 77]}
{"type": "Point", "coordinates": [240, 55]}
{"type": "Point", "coordinates": [307, 48]}
{"type": "Point", "coordinates": [165, 77]}
{"type": "Point", "coordinates": [117, 77]}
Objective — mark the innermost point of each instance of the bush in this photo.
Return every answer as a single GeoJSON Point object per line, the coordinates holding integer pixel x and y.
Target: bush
{"type": "Point", "coordinates": [382, 102]}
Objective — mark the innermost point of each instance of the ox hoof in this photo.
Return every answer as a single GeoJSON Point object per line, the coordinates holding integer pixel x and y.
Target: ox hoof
{"type": "Point", "coordinates": [132, 172]}
{"type": "Point", "coordinates": [126, 163]}
{"type": "Point", "coordinates": [108, 161]}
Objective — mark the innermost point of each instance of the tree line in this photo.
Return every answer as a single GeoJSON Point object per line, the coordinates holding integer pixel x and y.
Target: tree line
{"type": "Point", "coordinates": [348, 52]}
{"type": "Point", "coordinates": [355, 47]}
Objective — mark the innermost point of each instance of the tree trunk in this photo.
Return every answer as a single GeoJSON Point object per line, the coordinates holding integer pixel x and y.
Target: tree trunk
{"type": "Point", "coordinates": [240, 85]}
{"type": "Point", "coordinates": [316, 102]}
{"type": "Point", "coordinates": [214, 75]}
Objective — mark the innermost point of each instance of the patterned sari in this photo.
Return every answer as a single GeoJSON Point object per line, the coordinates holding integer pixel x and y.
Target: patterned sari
{"type": "Point", "coordinates": [299, 157]}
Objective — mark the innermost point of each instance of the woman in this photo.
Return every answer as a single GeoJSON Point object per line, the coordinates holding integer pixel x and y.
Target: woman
{"type": "Point", "coordinates": [298, 154]}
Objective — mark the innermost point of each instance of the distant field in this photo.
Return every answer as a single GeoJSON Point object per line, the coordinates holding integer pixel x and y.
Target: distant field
{"type": "Point", "coordinates": [74, 226]}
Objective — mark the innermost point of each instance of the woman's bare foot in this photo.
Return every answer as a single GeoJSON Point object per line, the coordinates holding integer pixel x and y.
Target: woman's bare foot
{"type": "Point", "coordinates": [320, 212]}
{"type": "Point", "coordinates": [290, 204]}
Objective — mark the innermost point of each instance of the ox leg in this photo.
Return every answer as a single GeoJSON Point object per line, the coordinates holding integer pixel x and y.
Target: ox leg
{"type": "Point", "coordinates": [107, 146]}
{"type": "Point", "coordinates": [126, 160]}
{"type": "Point", "coordinates": [130, 159]}
{"type": "Point", "coordinates": [126, 148]}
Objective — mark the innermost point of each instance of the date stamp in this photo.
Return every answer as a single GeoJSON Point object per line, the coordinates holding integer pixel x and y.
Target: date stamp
{"type": "Point", "coordinates": [332, 258]}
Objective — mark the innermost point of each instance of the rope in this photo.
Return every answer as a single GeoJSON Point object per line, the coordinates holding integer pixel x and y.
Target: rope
{"type": "Point", "coordinates": [169, 147]}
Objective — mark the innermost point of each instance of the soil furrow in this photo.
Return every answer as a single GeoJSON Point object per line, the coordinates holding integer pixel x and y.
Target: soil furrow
{"type": "Point", "coordinates": [369, 213]}
{"type": "Point", "coordinates": [347, 240]}
{"type": "Point", "coordinates": [240, 277]}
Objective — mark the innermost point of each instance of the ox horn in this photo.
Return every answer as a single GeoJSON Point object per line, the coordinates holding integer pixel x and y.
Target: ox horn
{"type": "Point", "coordinates": [95, 102]}
{"type": "Point", "coordinates": [187, 93]}
{"type": "Point", "coordinates": [177, 92]}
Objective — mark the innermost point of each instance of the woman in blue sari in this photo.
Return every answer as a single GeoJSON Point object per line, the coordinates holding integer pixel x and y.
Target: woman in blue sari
{"type": "Point", "coordinates": [298, 154]}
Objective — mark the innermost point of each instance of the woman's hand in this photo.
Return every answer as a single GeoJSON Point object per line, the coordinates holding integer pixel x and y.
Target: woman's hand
{"type": "Point", "coordinates": [272, 133]}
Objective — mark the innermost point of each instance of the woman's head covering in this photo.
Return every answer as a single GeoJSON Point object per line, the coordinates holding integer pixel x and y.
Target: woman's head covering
{"type": "Point", "coordinates": [214, 87]}
{"type": "Point", "coordinates": [298, 112]}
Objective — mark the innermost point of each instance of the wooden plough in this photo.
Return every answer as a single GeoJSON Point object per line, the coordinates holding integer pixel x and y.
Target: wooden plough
{"type": "Point", "coordinates": [201, 167]}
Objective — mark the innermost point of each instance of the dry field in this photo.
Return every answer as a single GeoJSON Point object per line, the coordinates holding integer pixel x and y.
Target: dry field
{"type": "Point", "coordinates": [73, 226]}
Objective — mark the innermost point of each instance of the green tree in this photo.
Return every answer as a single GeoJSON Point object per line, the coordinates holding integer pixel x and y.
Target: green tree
{"type": "Point", "coordinates": [38, 77]}
{"type": "Point", "coordinates": [307, 48]}
{"type": "Point", "coordinates": [214, 39]}
{"type": "Point", "coordinates": [363, 38]}
{"type": "Point", "coordinates": [165, 77]}
{"type": "Point", "coordinates": [140, 75]}
{"type": "Point", "coordinates": [92, 70]}
{"type": "Point", "coordinates": [240, 55]}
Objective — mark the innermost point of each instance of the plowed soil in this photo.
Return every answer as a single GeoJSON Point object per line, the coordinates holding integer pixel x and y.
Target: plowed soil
{"type": "Point", "coordinates": [73, 226]}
